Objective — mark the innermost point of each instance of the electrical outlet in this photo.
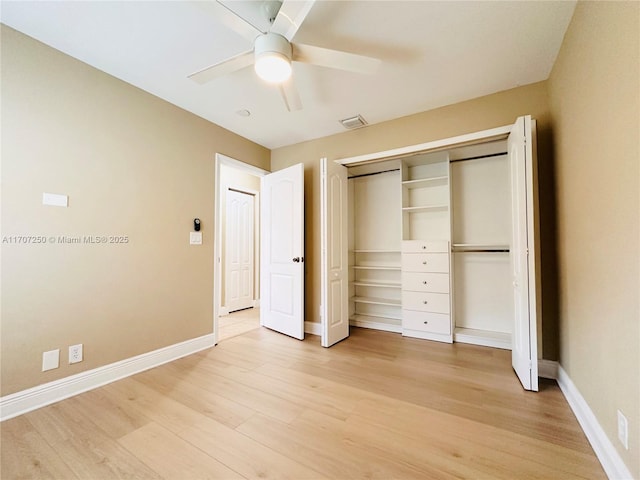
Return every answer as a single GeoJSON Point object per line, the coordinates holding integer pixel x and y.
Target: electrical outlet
{"type": "Point", "coordinates": [75, 353]}
{"type": "Point", "coordinates": [50, 360]}
{"type": "Point", "coordinates": [623, 430]}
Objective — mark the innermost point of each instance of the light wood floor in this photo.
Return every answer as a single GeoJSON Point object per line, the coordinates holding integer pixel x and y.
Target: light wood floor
{"type": "Point", "coordinates": [262, 405]}
{"type": "Point", "coordinates": [238, 323]}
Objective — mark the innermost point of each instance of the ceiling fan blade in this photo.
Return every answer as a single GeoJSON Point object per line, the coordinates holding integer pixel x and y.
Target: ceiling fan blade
{"type": "Point", "coordinates": [231, 65]}
{"type": "Point", "coordinates": [325, 57]}
{"type": "Point", "coordinates": [290, 17]}
{"type": "Point", "coordinates": [290, 95]}
{"type": "Point", "coordinates": [229, 19]}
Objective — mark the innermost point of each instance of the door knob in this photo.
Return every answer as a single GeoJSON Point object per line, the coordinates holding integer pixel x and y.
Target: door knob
{"type": "Point", "coordinates": [296, 260]}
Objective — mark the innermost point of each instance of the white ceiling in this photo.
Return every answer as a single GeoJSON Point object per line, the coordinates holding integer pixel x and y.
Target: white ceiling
{"type": "Point", "coordinates": [433, 53]}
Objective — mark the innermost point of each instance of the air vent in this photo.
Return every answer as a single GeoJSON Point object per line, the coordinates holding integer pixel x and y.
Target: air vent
{"type": "Point", "coordinates": [353, 122]}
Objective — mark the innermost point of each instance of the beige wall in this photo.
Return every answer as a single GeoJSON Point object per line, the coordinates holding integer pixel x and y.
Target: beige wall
{"type": "Point", "coordinates": [132, 165]}
{"type": "Point", "coordinates": [479, 114]}
{"type": "Point", "coordinates": [231, 177]}
{"type": "Point", "coordinates": [595, 101]}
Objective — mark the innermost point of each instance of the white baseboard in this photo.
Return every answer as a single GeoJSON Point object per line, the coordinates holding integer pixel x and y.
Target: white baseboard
{"type": "Point", "coordinates": [22, 402]}
{"type": "Point", "coordinates": [313, 328]}
{"type": "Point", "coordinates": [611, 461]}
{"type": "Point", "coordinates": [256, 303]}
{"type": "Point", "coordinates": [223, 312]}
{"type": "Point", "coordinates": [548, 369]}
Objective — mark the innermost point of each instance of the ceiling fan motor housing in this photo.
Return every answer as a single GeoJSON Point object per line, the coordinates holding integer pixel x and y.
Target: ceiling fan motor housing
{"type": "Point", "coordinates": [270, 43]}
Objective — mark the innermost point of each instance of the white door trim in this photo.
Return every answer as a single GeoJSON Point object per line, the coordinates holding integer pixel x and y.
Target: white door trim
{"type": "Point", "coordinates": [221, 159]}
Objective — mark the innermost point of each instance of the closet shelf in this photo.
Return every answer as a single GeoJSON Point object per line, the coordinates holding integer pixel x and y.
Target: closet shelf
{"type": "Point", "coordinates": [376, 251]}
{"type": "Point", "coordinates": [425, 182]}
{"type": "Point", "coordinates": [379, 323]}
{"type": "Point", "coordinates": [483, 337]}
{"type": "Point", "coordinates": [377, 301]}
{"type": "Point", "coordinates": [386, 316]}
{"type": "Point", "coordinates": [425, 208]}
{"type": "Point", "coordinates": [376, 267]}
{"type": "Point", "coordinates": [376, 284]}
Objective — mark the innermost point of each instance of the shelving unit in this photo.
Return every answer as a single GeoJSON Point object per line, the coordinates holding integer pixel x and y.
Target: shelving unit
{"type": "Point", "coordinates": [374, 247]}
{"type": "Point", "coordinates": [426, 231]}
{"type": "Point", "coordinates": [376, 290]}
{"type": "Point", "coordinates": [425, 197]}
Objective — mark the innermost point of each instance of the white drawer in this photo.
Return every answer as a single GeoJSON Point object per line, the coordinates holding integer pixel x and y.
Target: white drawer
{"type": "Point", "coordinates": [425, 282]}
{"type": "Point", "coordinates": [426, 322]}
{"type": "Point", "coordinates": [426, 302]}
{"type": "Point", "coordinates": [425, 262]}
{"type": "Point", "coordinates": [422, 246]}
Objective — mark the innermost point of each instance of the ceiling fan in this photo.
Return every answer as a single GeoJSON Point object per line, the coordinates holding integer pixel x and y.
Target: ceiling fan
{"type": "Point", "coordinates": [273, 51]}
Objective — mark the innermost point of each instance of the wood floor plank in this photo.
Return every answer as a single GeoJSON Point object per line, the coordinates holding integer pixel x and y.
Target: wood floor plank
{"type": "Point", "coordinates": [245, 455]}
{"type": "Point", "coordinates": [248, 397]}
{"type": "Point", "coordinates": [109, 416]}
{"type": "Point", "coordinates": [321, 451]}
{"type": "Point", "coordinates": [172, 457]}
{"type": "Point", "coordinates": [137, 398]}
{"type": "Point", "coordinates": [189, 392]}
{"type": "Point", "coordinates": [24, 453]}
{"type": "Point", "coordinates": [404, 427]}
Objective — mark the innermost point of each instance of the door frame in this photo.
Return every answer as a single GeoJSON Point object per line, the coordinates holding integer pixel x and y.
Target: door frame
{"type": "Point", "coordinates": [220, 160]}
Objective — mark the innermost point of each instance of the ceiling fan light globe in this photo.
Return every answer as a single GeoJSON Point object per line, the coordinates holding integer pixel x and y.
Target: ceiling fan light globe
{"type": "Point", "coordinates": [273, 67]}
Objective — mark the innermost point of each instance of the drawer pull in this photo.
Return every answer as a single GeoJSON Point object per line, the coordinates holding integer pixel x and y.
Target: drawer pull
{"type": "Point", "coordinates": [425, 322]}
{"type": "Point", "coordinates": [424, 282]}
{"type": "Point", "coordinates": [424, 262]}
{"type": "Point", "coordinates": [424, 247]}
{"type": "Point", "coordinates": [424, 302]}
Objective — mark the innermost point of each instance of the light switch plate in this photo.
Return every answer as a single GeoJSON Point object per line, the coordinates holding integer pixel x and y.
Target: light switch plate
{"type": "Point", "coordinates": [50, 360]}
{"type": "Point", "coordinates": [195, 238]}
{"type": "Point", "coordinates": [55, 199]}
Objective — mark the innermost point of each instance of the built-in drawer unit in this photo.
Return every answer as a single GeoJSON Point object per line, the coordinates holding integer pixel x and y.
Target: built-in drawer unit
{"type": "Point", "coordinates": [426, 301]}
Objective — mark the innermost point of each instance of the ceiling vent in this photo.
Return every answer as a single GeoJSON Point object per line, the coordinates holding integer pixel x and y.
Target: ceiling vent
{"type": "Point", "coordinates": [353, 122]}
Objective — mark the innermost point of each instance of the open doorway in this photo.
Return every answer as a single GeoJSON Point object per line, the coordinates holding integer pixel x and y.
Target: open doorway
{"type": "Point", "coordinates": [236, 247]}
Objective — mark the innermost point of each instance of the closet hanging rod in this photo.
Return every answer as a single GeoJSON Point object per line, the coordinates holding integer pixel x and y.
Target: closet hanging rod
{"type": "Point", "coordinates": [478, 157]}
{"type": "Point", "coordinates": [482, 250]}
{"type": "Point", "coordinates": [373, 173]}
{"type": "Point", "coordinates": [478, 247]}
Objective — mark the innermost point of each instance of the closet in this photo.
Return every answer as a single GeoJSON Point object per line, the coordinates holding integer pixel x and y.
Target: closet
{"type": "Point", "coordinates": [441, 243]}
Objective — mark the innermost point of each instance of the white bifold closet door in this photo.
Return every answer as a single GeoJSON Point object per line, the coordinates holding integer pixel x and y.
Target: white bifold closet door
{"type": "Point", "coordinates": [524, 353]}
{"type": "Point", "coordinates": [334, 255]}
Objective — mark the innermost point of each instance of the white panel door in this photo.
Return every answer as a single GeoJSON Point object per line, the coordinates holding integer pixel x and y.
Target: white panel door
{"type": "Point", "coordinates": [525, 337]}
{"type": "Point", "coordinates": [239, 249]}
{"type": "Point", "coordinates": [282, 251]}
{"type": "Point", "coordinates": [334, 255]}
